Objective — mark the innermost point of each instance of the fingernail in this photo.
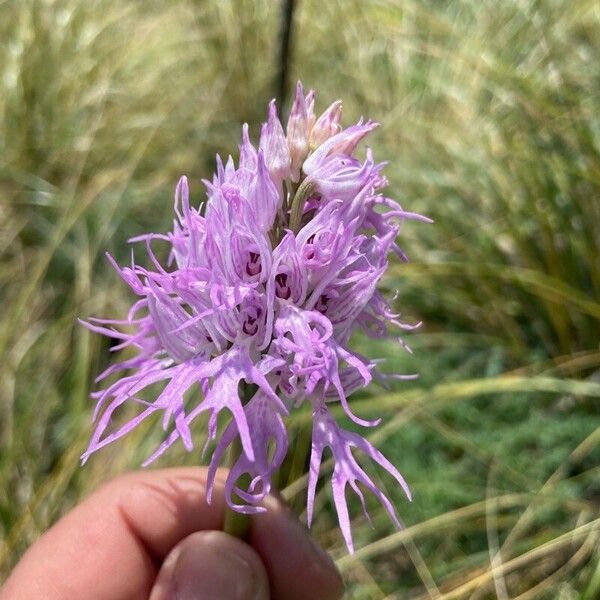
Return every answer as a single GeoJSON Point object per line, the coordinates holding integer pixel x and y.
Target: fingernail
{"type": "Point", "coordinates": [213, 565]}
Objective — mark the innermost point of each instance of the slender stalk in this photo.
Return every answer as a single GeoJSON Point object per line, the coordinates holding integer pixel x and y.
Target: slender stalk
{"type": "Point", "coordinates": [305, 189]}
{"type": "Point", "coordinates": [301, 451]}
{"type": "Point", "coordinates": [235, 523]}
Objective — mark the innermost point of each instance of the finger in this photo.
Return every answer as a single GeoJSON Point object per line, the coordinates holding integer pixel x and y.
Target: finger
{"type": "Point", "coordinates": [112, 545]}
{"type": "Point", "coordinates": [211, 565]}
{"type": "Point", "coordinates": [298, 567]}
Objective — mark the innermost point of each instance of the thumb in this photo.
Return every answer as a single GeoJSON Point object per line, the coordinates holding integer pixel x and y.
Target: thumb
{"type": "Point", "coordinates": [211, 565]}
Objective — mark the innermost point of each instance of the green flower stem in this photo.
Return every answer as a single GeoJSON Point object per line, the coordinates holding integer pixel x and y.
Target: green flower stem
{"type": "Point", "coordinates": [301, 452]}
{"type": "Point", "coordinates": [235, 523]}
{"type": "Point", "coordinates": [305, 189]}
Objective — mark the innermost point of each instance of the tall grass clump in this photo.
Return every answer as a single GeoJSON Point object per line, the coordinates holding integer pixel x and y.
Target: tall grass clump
{"type": "Point", "coordinates": [489, 110]}
{"type": "Point", "coordinates": [103, 105]}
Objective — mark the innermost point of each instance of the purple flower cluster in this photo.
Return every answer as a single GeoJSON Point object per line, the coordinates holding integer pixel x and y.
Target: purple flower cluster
{"type": "Point", "coordinates": [265, 285]}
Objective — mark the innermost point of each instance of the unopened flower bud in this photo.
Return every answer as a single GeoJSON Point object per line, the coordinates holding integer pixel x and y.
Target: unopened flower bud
{"type": "Point", "coordinates": [327, 124]}
{"type": "Point", "coordinates": [274, 145]}
{"type": "Point", "coordinates": [247, 151]}
{"type": "Point", "coordinates": [310, 110]}
{"type": "Point", "coordinates": [297, 133]}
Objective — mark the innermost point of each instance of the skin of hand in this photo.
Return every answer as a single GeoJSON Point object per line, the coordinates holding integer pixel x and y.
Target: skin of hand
{"type": "Point", "coordinates": [152, 535]}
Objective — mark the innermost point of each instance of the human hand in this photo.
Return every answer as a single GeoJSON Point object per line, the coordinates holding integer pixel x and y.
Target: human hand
{"type": "Point", "coordinates": [151, 535]}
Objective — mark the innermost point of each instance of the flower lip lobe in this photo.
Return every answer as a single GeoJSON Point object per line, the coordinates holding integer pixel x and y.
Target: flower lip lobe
{"type": "Point", "coordinates": [253, 264]}
{"type": "Point", "coordinates": [266, 282]}
{"type": "Point", "coordinates": [283, 289]}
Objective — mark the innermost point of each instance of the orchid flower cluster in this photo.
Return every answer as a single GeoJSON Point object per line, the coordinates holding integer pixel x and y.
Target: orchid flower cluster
{"type": "Point", "coordinates": [265, 285]}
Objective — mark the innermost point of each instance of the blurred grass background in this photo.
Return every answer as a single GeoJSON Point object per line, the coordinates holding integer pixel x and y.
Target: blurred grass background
{"type": "Point", "coordinates": [490, 118]}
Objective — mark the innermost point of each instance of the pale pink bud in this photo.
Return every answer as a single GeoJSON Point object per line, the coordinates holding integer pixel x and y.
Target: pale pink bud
{"type": "Point", "coordinates": [327, 124]}
{"type": "Point", "coordinates": [247, 151]}
{"type": "Point", "coordinates": [274, 145]}
{"type": "Point", "coordinates": [309, 101]}
{"type": "Point", "coordinates": [297, 133]}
